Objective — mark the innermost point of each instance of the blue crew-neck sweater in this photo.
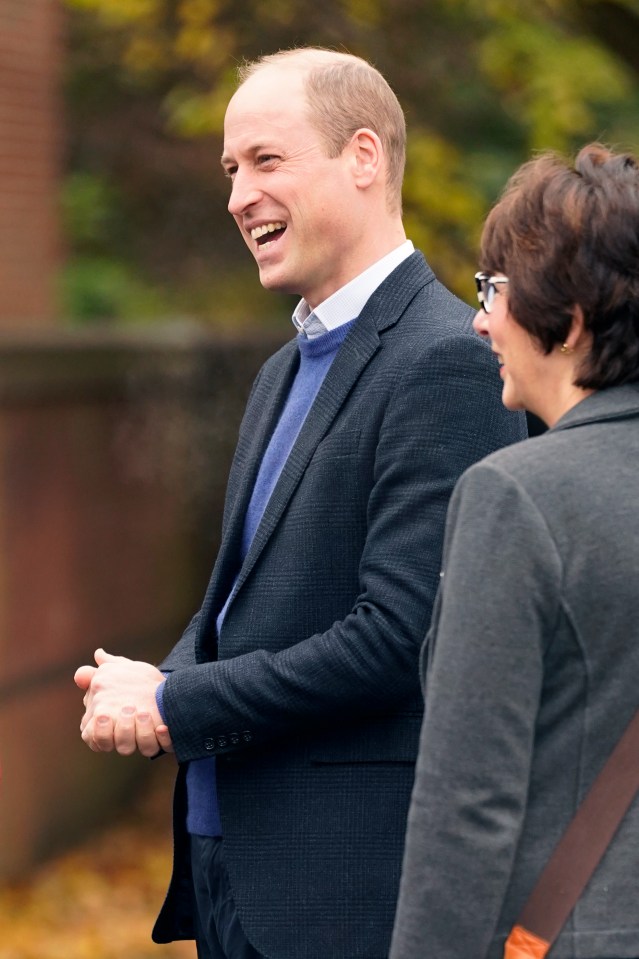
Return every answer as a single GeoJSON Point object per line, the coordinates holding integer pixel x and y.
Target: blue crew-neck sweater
{"type": "Point", "coordinates": [316, 356]}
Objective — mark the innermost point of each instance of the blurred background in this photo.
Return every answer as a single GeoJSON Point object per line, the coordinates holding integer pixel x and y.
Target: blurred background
{"type": "Point", "coordinates": [131, 325]}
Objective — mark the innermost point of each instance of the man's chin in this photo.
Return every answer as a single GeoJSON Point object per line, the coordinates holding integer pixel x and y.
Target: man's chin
{"type": "Point", "coordinates": [276, 282]}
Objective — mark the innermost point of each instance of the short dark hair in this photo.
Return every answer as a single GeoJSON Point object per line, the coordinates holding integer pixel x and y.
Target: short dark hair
{"type": "Point", "coordinates": [567, 234]}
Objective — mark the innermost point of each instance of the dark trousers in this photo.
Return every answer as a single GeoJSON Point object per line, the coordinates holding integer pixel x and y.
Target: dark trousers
{"type": "Point", "coordinates": [219, 933]}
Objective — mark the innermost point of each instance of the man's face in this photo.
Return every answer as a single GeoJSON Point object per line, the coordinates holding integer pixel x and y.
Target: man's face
{"type": "Point", "coordinates": [292, 203]}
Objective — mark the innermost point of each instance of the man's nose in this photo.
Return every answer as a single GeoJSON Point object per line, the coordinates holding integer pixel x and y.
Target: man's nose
{"type": "Point", "coordinates": [244, 193]}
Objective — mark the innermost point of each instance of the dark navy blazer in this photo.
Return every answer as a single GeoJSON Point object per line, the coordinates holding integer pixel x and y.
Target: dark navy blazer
{"type": "Point", "coordinates": [310, 699]}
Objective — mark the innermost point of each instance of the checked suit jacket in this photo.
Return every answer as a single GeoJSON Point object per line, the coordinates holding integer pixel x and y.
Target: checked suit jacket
{"type": "Point", "coordinates": [310, 696]}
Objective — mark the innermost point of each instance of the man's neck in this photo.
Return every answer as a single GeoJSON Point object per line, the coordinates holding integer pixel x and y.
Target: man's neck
{"type": "Point", "coordinates": [347, 302]}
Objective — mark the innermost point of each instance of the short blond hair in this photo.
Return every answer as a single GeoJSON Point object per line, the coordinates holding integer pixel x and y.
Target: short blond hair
{"type": "Point", "coordinates": [346, 93]}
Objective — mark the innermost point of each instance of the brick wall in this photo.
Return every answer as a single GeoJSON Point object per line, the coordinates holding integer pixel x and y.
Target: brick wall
{"type": "Point", "coordinates": [114, 454]}
{"type": "Point", "coordinates": [30, 136]}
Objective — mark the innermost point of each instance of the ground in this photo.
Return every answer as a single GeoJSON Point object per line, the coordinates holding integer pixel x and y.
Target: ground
{"type": "Point", "coordinates": [99, 900]}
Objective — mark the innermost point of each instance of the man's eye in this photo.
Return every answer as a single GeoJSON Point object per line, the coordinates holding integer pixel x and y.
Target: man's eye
{"type": "Point", "coordinates": [230, 171]}
{"type": "Point", "coordinates": [265, 158]}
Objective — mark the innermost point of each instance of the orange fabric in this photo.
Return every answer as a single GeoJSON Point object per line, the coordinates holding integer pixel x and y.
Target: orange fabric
{"type": "Point", "coordinates": [522, 944]}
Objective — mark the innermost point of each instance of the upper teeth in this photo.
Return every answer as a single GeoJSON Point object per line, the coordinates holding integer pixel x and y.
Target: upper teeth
{"type": "Point", "coordinates": [259, 231]}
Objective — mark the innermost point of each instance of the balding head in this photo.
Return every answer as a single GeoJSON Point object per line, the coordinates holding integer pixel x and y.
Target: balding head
{"type": "Point", "coordinates": [345, 94]}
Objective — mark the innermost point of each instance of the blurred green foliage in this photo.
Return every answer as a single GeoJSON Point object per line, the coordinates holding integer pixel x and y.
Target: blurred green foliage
{"type": "Point", "coordinates": [483, 83]}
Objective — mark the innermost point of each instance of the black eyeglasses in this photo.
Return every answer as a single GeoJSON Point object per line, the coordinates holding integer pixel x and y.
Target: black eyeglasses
{"type": "Point", "coordinates": [487, 289]}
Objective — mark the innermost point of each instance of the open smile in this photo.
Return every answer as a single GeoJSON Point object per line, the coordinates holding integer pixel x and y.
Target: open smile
{"type": "Point", "coordinates": [268, 233]}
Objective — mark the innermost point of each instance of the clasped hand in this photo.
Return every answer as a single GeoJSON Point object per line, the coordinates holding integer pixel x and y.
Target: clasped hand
{"type": "Point", "coordinates": [121, 711]}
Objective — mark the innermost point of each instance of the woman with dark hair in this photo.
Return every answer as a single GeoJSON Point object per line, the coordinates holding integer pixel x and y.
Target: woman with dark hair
{"type": "Point", "coordinates": [531, 668]}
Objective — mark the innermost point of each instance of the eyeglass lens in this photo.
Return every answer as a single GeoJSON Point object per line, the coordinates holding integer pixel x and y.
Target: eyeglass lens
{"type": "Point", "coordinates": [485, 291]}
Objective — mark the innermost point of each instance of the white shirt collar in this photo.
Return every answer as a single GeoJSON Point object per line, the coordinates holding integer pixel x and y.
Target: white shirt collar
{"type": "Point", "coordinates": [348, 302]}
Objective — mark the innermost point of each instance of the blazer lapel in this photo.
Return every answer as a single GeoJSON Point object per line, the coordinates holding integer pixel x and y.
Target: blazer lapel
{"type": "Point", "coordinates": [382, 310]}
{"type": "Point", "coordinates": [262, 414]}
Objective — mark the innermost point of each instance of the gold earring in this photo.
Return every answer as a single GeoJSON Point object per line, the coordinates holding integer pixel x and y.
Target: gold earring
{"type": "Point", "coordinates": [565, 348]}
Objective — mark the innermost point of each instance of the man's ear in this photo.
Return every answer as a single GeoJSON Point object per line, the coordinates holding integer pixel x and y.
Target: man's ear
{"type": "Point", "coordinates": [368, 157]}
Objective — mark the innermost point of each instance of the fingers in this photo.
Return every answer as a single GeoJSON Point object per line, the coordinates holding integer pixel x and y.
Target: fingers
{"type": "Point", "coordinates": [146, 736]}
{"type": "Point", "coordinates": [98, 734]}
{"type": "Point", "coordinates": [124, 738]}
{"type": "Point", "coordinates": [83, 676]}
{"type": "Point", "coordinates": [101, 656]}
{"type": "Point", "coordinates": [128, 733]}
{"type": "Point", "coordinates": [136, 731]}
{"type": "Point", "coordinates": [120, 708]}
{"type": "Point", "coordinates": [163, 738]}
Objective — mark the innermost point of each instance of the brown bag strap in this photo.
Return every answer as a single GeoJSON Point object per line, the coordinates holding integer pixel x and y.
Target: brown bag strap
{"type": "Point", "coordinates": [579, 850]}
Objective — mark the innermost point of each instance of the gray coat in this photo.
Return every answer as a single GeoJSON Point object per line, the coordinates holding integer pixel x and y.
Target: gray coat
{"type": "Point", "coordinates": [532, 676]}
{"type": "Point", "coordinates": [310, 698]}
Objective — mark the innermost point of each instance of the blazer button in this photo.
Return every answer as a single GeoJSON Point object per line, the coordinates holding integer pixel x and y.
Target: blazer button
{"type": "Point", "coordinates": [222, 742]}
{"type": "Point", "coordinates": [234, 738]}
{"type": "Point", "coordinates": [247, 736]}
{"type": "Point", "coordinates": [209, 744]}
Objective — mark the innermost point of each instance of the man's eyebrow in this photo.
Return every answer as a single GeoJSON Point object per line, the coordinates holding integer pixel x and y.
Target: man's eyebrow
{"type": "Point", "coordinates": [249, 151]}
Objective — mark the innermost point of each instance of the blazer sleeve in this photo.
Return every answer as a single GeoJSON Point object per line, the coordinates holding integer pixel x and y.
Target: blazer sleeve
{"type": "Point", "coordinates": [183, 653]}
{"type": "Point", "coordinates": [443, 414]}
{"type": "Point", "coordinates": [497, 608]}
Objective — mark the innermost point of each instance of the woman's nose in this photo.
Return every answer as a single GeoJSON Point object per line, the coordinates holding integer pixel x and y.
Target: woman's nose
{"type": "Point", "coordinates": [480, 323]}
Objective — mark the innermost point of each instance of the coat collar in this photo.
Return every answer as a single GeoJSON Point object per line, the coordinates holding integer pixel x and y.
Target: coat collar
{"type": "Point", "coordinates": [614, 403]}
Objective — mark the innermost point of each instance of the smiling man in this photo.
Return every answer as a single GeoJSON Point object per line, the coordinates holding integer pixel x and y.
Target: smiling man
{"type": "Point", "coordinates": [292, 700]}
{"type": "Point", "coordinates": [314, 213]}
